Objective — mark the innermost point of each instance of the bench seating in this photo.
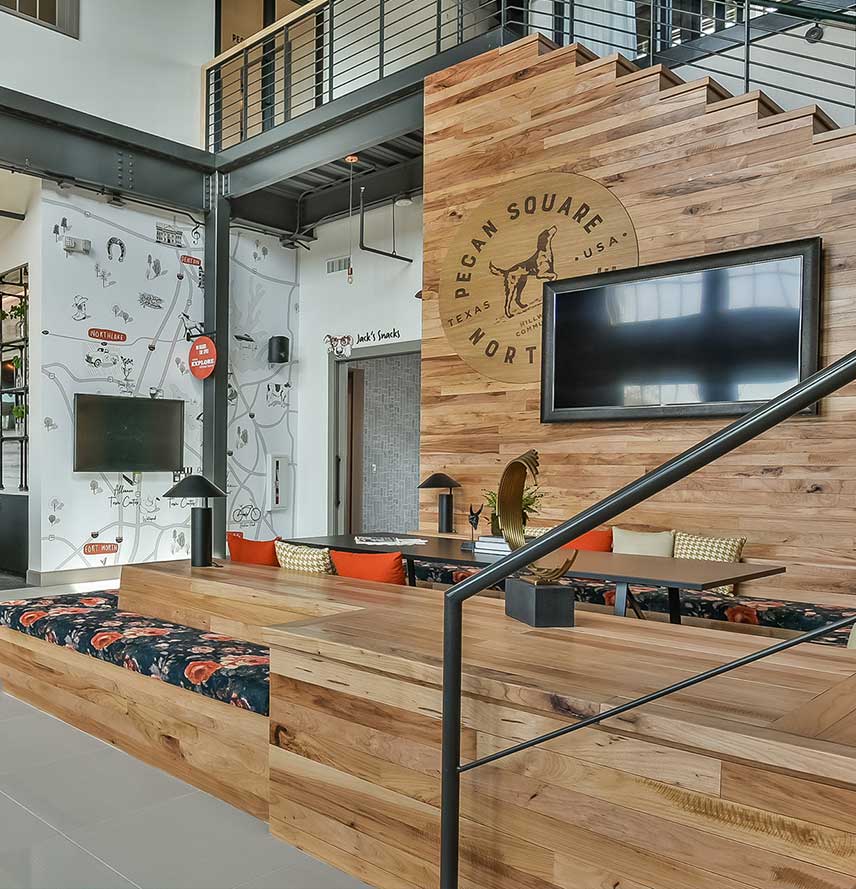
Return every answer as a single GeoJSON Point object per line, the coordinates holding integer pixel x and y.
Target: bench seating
{"type": "Point", "coordinates": [709, 605]}
{"type": "Point", "coordinates": [94, 666]}
{"type": "Point", "coordinates": [210, 664]}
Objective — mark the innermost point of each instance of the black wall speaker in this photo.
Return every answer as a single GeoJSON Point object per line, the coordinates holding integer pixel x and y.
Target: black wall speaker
{"type": "Point", "coordinates": [278, 348]}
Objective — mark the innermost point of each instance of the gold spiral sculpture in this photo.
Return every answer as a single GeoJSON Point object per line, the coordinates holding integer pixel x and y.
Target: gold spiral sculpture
{"type": "Point", "coordinates": [509, 505]}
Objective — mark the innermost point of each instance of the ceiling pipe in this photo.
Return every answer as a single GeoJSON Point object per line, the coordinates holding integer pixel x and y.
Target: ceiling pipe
{"type": "Point", "coordinates": [393, 254]}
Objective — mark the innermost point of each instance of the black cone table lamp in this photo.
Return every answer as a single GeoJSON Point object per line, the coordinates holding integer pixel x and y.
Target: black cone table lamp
{"type": "Point", "coordinates": [199, 488]}
{"type": "Point", "coordinates": [444, 504]}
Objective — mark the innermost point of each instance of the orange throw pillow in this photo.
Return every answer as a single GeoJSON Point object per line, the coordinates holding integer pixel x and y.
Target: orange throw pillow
{"type": "Point", "coordinates": [251, 552]}
{"type": "Point", "coordinates": [597, 541]}
{"type": "Point", "coordinates": [383, 567]}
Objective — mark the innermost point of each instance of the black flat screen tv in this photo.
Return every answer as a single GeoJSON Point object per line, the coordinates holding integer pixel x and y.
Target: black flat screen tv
{"type": "Point", "coordinates": [117, 434]}
{"type": "Point", "coordinates": [713, 336]}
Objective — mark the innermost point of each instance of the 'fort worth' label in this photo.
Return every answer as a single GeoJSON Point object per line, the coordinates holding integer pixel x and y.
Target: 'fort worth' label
{"type": "Point", "coordinates": [535, 230]}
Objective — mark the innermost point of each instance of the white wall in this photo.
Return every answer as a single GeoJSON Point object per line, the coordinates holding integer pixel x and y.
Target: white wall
{"type": "Point", "coordinates": [262, 397]}
{"type": "Point", "coordinates": [380, 299]}
{"type": "Point", "coordinates": [135, 63]}
{"type": "Point", "coordinates": [139, 292]}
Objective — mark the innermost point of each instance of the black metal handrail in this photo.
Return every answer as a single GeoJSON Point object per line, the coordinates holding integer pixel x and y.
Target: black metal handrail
{"type": "Point", "coordinates": [798, 398]}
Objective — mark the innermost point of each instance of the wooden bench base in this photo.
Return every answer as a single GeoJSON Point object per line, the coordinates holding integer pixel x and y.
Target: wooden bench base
{"type": "Point", "coordinates": [216, 747]}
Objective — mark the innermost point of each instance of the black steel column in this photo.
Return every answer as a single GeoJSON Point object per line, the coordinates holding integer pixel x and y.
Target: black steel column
{"type": "Point", "coordinates": [215, 388]}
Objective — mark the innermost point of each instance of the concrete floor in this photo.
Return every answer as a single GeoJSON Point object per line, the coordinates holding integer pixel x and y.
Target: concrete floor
{"type": "Point", "coordinates": [79, 814]}
{"type": "Point", "coordinates": [75, 813]}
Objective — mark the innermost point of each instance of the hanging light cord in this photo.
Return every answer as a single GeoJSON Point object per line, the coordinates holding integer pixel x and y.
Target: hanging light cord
{"type": "Point", "coordinates": [351, 225]}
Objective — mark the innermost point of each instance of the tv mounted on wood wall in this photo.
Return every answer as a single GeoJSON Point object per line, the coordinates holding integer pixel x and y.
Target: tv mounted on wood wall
{"type": "Point", "coordinates": [713, 336]}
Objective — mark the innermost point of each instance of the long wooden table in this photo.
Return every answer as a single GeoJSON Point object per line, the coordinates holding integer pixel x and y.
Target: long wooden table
{"type": "Point", "coordinates": [618, 568]}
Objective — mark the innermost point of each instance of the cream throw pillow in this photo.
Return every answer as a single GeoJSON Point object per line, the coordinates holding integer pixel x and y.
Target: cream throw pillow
{"type": "Point", "coordinates": [710, 549]}
{"type": "Point", "coordinates": [643, 543]}
{"type": "Point", "coordinates": [309, 559]}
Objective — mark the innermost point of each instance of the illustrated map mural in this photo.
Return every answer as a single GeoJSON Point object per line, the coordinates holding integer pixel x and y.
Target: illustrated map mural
{"type": "Point", "coordinates": [114, 322]}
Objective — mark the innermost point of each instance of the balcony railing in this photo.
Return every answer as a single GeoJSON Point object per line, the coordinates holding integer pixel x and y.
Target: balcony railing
{"type": "Point", "coordinates": [329, 48]}
{"type": "Point", "coordinates": [325, 50]}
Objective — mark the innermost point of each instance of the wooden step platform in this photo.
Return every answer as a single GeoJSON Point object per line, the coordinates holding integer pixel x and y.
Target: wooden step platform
{"type": "Point", "coordinates": [747, 780]}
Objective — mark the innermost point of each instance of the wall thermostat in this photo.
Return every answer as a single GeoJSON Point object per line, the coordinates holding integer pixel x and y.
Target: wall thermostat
{"type": "Point", "coordinates": [276, 482]}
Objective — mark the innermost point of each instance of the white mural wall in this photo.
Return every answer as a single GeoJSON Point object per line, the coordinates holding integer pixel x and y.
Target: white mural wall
{"type": "Point", "coordinates": [112, 322]}
{"type": "Point", "coordinates": [263, 296]}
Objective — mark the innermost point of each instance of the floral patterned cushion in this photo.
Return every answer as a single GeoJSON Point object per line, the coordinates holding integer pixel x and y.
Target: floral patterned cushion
{"type": "Point", "coordinates": [210, 664]}
{"type": "Point", "coordinates": [712, 605]}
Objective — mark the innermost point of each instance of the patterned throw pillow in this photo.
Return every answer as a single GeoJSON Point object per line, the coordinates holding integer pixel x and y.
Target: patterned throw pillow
{"type": "Point", "coordinates": [309, 559]}
{"type": "Point", "coordinates": [711, 549]}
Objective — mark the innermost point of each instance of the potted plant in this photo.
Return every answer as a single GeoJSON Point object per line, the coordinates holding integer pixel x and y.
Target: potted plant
{"type": "Point", "coordinates": [19, 411]}
{"type": "Point", "coordinates": [18, 365]}
{"type": "Point", "coordinates": [532, 498]}
{"type": "Point", "coordinates": [17, 312]}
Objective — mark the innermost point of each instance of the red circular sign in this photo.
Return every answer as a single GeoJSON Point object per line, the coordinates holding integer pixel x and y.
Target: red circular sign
{"type": "Point", "coordinates": [203, 357]}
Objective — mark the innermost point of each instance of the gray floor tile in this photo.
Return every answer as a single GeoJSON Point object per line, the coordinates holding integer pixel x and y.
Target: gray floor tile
{"type": "Point", "coordinates": [19, 828]}
{"type": "Point", "coordinates": [56, 863]}
{"type": "Point", "coordinates": [194, 842]}
{"type": "Point", "coordinates": [304, 873]}
{"type": "Point", "coordinates": [37, 739]}
{"type": "Point", "coordinates": [11, 707]}
{"type": "Point", "coordinates": [71, 793]}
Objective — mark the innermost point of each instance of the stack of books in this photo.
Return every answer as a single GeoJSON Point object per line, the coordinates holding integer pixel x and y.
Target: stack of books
{"type": "Point", "coordinates": [488, 545]}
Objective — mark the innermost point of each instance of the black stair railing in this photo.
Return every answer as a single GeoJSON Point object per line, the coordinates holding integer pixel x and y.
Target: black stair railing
{"type": "Point", "coordinates": [803, 395]}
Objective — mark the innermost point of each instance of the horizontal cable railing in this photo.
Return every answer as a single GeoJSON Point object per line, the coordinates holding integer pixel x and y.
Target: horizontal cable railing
{"type": "Point", "coordinates": [328, 48]}
{"type": "Point", "coordinates": [324, 51]}
{"type": "Point", "coordinates": [797, 54]}
{"type": "Point", "coordinates": [796, 399]}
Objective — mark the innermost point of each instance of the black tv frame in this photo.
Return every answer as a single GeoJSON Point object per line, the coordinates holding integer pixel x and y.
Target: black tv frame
{"type": "Point", "coordinates": [79, 395]}
{"type": "Point", "coordinates": [810, 250]}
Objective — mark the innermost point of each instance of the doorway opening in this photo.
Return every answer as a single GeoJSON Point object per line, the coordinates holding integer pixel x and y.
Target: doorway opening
{"type": "Point", "coordinates": [376, 410]}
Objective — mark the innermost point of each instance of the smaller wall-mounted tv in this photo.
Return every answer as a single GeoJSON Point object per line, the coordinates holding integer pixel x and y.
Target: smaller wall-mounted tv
{"type": "Point", "coordinates": [714, 336]}
{"type": "Point", "coordinates": [118, 434]}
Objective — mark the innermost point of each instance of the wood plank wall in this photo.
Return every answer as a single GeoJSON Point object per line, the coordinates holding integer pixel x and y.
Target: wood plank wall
{"type": "Point", "coordinates": [699, 172]}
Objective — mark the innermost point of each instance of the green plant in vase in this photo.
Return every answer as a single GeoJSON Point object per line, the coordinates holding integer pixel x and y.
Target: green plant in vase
{"type": "Point", "coordinates": [18, 312]}
{"type": "Point", "coordinates": [532, 497]}
{"type": "Point", "coordinates": [17, 364]}
{"type": "Point", "coordinates": [19, 411]}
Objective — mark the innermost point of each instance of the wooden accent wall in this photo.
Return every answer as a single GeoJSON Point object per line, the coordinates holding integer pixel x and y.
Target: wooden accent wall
{"type": "Point", "coordinates": [699, 172]}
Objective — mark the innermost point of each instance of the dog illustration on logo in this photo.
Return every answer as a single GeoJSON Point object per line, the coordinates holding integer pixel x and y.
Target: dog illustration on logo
{"type": "Point", "coordinates": [340, 346]}
{"type": "Point", "coordinates": [539, 265]}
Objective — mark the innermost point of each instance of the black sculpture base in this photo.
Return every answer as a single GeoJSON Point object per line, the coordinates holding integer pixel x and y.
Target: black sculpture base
{"type": "Point", "coordinates": [446, 524]}
{"type": "Point", "coordinates": [539, 606]}
{"type": "Point", "coordinates": [200, 537]}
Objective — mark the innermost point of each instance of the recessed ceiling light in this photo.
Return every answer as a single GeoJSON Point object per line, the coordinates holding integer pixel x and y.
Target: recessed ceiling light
{"type": "Point", "coordinates": [403, 200]}
{"type": "Point", "coordinates": [352, 158]}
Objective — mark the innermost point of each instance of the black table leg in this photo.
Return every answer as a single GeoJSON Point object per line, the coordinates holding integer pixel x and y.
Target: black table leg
{"type": "Point", "coordinates": [674, 605]}
{"type": "Point", "coordinates": [411, 571]}
{"type": "Point", "coordinates": [621, 590]}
